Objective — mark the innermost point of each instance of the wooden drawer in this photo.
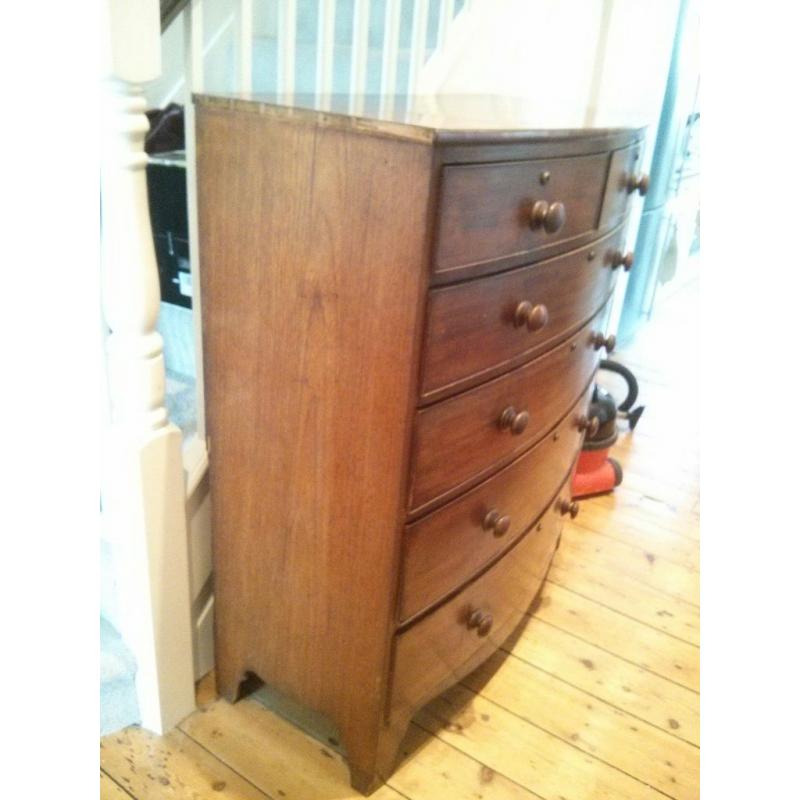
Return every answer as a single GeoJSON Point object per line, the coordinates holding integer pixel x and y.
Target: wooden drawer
{"type": "Point", "coordinates": [474, 331]}
{"type": "Point", "coordinates": [615, 202]}
{"type": "Point", "coordinates": [441, 648]}
{"type": "Point", "coordinates": [459, 441]}
{"type": "Point", "coordinates": [448, 546]}
{"type": "Point", "coordinates": [485, 209]}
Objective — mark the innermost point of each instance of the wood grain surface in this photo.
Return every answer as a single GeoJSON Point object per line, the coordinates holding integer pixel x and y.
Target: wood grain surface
{"type": "Point", "coordinates": [471, 335]}
{"type": "Point", "coordinates": [484, 208]}
{"type": "Point", "coordinates": [459, 441]}
{"type": "Point", "coordinates": [447, 546]}
{"type": "Point", "coordinates": [442, 647]}
{"type": "Point", "coordinates": [312, 281]}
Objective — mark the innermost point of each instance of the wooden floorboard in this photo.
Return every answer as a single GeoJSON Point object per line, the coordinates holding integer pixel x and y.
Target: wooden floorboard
{"type": "Point", "coordinates": [595, 697]}
{"type": "Point", "coordinates": [619, 634]}
{"type": "Point", "coordinates": [599, 729]}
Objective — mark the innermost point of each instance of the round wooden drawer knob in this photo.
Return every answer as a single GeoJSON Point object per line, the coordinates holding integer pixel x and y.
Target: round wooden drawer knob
{"type": "Point", "coordinates": [638, 183]}
{"type": "Point", "coordinates": [568, 507]}
{"type": "Point", "coordinates": [620, 259]}
{"type": "Point", "coordinates": [515, 421]}
{"type": "Point", "coordinates": [609, 342]}
{"type": "Point", "coordinates": [496, 523]}
{"type": "Point", "coordinates": [591, 426]}
{"type": "Point", "coordinates": [481, 621]}
{"type": "Point", "coordinates": [550, 216]}
{"type": "Point", "coordinates": [534, 316]}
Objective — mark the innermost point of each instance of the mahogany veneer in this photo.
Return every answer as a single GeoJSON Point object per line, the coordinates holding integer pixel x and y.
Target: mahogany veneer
{"type": "Point", "coordinates": [401, 324]}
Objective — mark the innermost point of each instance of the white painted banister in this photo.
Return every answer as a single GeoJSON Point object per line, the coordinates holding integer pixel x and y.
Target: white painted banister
{"type": "Point", "coordinates": [360, 53]}
{"type": "Point", "coordinates": [244, 31]}
{"type": "Point", "coordinates": [391, 43]}
{"type": "Point", "coordinates": [143, 485]}
{"type": "Point", "coordinates": [326, 19]}
{"type": "Point", "coordinates": [419, 30]}
{"type": "Point", "coordinates": [194, 77]}
{"type": "Point", "coordinates": [287, 47]}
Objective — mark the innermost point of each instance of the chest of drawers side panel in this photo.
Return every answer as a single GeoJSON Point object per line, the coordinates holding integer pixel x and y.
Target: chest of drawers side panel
{"type": "Point", "coordinates": [313, 247]}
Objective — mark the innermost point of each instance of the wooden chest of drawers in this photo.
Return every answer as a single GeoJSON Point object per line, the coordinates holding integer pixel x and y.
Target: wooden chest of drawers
{"type": "Point", "coordinates": [401, 325]}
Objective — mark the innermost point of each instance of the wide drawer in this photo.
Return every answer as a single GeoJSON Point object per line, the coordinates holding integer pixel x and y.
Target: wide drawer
{"type": "Point", "coordinates": [483, 327]}
{"type": "Point", "coordinates": [459, 441]}
{"type": "Point", "coordinates": [451, 641]}
{"type": "Point", "coordinates": [486, 211]}
{"type": "Point", "coordinates": [445, 548]}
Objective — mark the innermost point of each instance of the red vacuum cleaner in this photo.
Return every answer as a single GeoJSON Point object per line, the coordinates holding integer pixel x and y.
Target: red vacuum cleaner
{"type": "Point", "coordinates": [596, 472]}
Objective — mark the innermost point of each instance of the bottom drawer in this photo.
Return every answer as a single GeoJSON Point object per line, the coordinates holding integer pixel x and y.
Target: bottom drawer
{"type": "Point", "coordinates": [441, 648]}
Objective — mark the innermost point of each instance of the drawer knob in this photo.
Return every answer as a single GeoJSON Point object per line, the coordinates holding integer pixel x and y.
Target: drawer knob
{"type": "Point", "coordinates": [609, 342]}
{"type": "Point", "coordinates": [515, 421]}
{"type": "Point", "coordinates": [534, 316]}
{"type": "Point", "coordinates": [568, 507]}
{"type": "Point", "coordinates": [481, 620]}
{"type": "Point", "coordinates": [550, 216]}
{"type": "Point", "coordinates": [620, 259]}
{"type": "Point", "coordinates": [638, 183]}
{"type": "Point", "coordinates": [494, 522]}
{"type": "Point", "coordinates": [591, 426]}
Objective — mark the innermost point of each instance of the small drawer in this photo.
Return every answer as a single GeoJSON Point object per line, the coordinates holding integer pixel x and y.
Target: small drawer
{"type": "Point", "coordinates": [442, 647]}
{"type": "Point", "coordinates": [448, 546]}
{"type": "Point", "coordinates": [493, 214]}
{"type": "Point", "coordinates": [483, 327]}
{"type": "Point", "coordinates": [623, 180]}
{"type": "Point", "coordinates": [459, 441]}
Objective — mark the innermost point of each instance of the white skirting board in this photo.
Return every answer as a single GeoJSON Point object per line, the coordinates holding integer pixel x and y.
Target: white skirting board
{"type": "Point", "coordinates": [198, 523]}
{"type": "Point", "coordinates": [203, 634]}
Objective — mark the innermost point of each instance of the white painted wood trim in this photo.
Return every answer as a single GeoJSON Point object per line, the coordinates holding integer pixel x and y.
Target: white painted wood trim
{"type": "Point", "coordinates": [204, 640]}
{"type": "Point", "coordinates": [360, 52]}
{"type": "Point", "coordinates": [194, 56]}
{"type": "Point", "coordinates": [391, 43]}
{"type": "Point", "coordinates": [244, 44]}
{"type": "Point", "coordinates": [419, 29]}
{"type": "Point", "coordinates": [287, 46]}
{"type": "Point", "coordinates": [143, 482]}
{"type": "Point", "coordinates": [326, 19]}
{"type": "Point", "coordinates": [446, 13]}
{"type": "Point", "coordinates": [194, 51]}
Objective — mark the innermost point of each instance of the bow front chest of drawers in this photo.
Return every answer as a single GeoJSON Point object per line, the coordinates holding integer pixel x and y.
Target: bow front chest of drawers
{"type": "Point", "coordinates": [401, 324]}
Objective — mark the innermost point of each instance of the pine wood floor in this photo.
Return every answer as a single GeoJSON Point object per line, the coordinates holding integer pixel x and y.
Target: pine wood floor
{"type": "Point", "coordinates": [596, 698]}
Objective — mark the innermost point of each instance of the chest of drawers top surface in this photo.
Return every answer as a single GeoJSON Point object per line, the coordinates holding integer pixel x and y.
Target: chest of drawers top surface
{"type": "Point", "coordinates": [402, 314]}
{"type": "Point", "coordinates": [448, 118]}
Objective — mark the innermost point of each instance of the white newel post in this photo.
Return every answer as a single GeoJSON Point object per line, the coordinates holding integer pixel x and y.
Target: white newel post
{"type": "Point", "coordinates": [143, 491]}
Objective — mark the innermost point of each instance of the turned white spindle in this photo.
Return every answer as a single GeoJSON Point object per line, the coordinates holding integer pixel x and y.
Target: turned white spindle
{"type": "Point", "coordinates": [360, 54]}
{"type": "Point", "coordinates": [287, 48]}
{"type": "Point", "coordinates": [194, 82]}
{"type": "Point", "coordinates": [326, 30]}
{"type": "Point", "coordinates": [143, 486]}
{"type": "Point", "coordinates": [244, 32]}
{"type": "Point", "coordinates": [419, 46]}
{"type": "Point", "coordinates": [131, 292]}
{"type": "Point", "coordinates": [391, 46]}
